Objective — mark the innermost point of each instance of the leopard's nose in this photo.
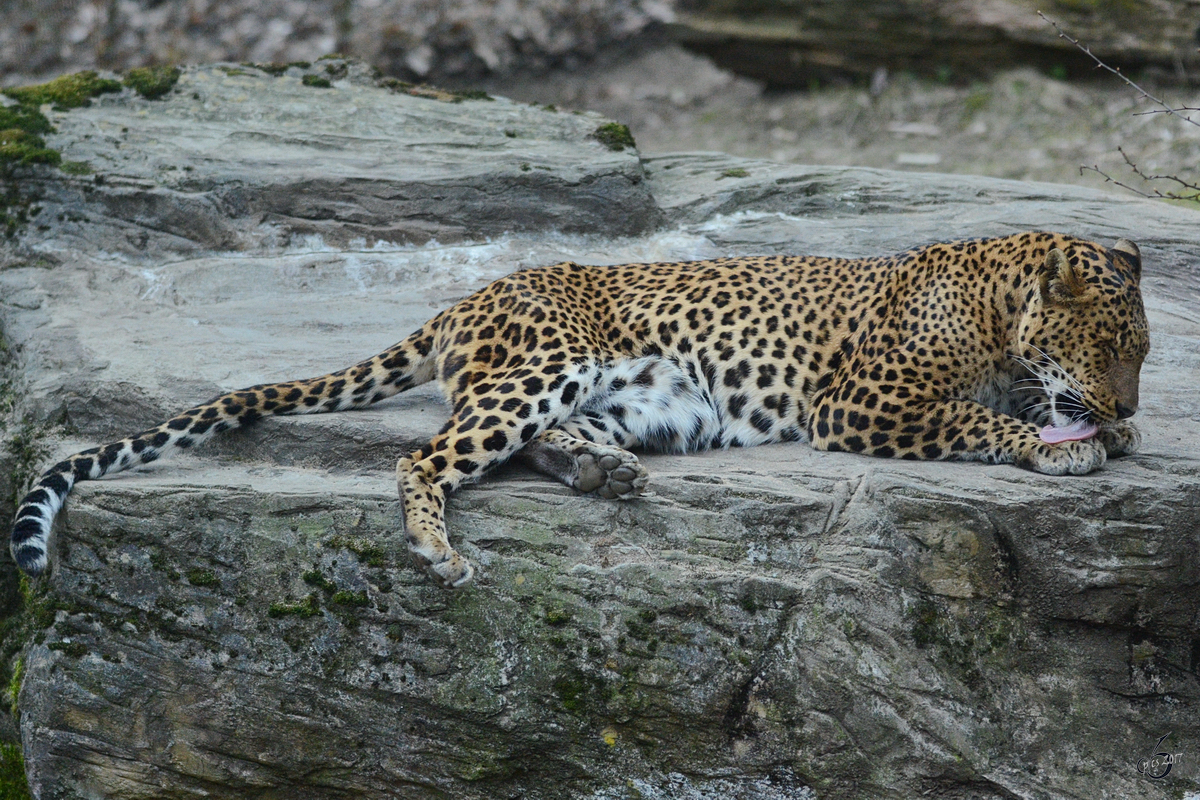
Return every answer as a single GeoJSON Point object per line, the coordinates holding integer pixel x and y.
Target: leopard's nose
{"type": "Point", "coordinates": [1124, 411]}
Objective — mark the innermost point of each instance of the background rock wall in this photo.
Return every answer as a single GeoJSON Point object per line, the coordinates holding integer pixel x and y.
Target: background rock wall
{"type": "Point", "coordinates": [781, 42]}
{"type": "Point", "coordinates": [796, 43]}
{"type": "Point", "coordinates": [406, 38]}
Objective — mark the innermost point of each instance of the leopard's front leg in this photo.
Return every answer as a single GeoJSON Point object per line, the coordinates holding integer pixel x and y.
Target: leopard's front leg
{"type": "Point", "coordinates": [1120, 438]}
{"type": "Point", "coordinates": [936, 429]}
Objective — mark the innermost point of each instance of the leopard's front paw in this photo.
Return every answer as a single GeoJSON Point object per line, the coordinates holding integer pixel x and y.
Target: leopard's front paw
{"type": "Point", "coordinates": [1067, 458]}
{"type": "Point", "coordinates": [1120, 439]}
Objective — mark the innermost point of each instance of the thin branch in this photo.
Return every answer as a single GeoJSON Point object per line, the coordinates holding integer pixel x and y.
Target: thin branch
{"type": "Point", "coordinates": [1137, 171]}
{"type": "Point", "coordinates": [1190, 191]}
{"type": "Point", "coordinates": [1194, 189]}
{"type": "Point", "coordinates": [1166, 111]}
{"type": "Point", "coordinates": [1166, 108]}
{"type": "Point", "coordinates": [1110, 179]}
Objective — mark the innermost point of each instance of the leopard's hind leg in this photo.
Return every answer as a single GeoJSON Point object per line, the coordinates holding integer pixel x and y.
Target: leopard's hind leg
{"type": "Point", "coordinates": [496, 413]}
{"type": "Point", "coordinates": [653, 402]}
{"type": "Point", "coordinates": [577, 422]}
{"type": "Point", "coordinates": [595, 464]}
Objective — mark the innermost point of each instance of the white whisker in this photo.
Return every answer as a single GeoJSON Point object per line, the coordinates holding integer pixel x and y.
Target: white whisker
{"type": "Point", "coordinates": [1069, 378]}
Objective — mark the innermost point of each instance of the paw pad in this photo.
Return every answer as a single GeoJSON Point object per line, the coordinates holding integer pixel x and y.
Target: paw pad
{"type": "Point", "coordinates": [610, 472]}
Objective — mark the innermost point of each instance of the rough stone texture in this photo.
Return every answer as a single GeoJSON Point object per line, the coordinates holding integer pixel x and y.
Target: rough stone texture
{"type": "Point", "coordinates": [233, 158]}
{"type": "Point", "coordinates": [772, 623]}
{"type": "Point", "coordinates": [781, 42]}
{"type": "Point", "coordinates": [792, 42]}
{"type": "Point", "coordinates": [410, 38]}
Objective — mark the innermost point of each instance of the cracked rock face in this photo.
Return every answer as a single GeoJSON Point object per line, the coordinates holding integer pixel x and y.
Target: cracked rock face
{"type": "Point", "coordinates": [772, 623]}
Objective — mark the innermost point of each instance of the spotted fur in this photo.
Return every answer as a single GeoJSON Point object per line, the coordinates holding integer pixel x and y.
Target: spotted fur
{"type": "Point", "coordinates": [950, 351]}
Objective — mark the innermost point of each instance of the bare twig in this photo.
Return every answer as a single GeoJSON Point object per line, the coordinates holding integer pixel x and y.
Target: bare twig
{"type": "Point", "coordinates": [1137, 171]}
{"type": "Point", "coordinates": [1192, 190]}
{"type": "Point", "coordinates": [1167, 111]}
{"type": "Point", "coordinates": [1110, 179]}
{"type": "Point", "coordinates": [1187, 190]}
{"type": "Point", "coordinates": [1166, 108]}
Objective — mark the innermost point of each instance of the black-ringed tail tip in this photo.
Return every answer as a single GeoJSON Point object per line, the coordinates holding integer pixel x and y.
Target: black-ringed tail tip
{"type": "Point", "coordinates": [35, 516]}
{"type": "Point", "coordinates": [1023, 349]}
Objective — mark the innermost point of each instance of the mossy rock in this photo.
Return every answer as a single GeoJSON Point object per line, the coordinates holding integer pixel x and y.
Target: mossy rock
{"type": "Point", "coordinates": [69, 91]}
{"type": "Point", "coordinates": [316, 81]}
{"type": "Point", "coordinates": [25, 118]}
{"type": "Point", "coordinates": [13, 785]}
{"type": "Point", "coordinates": [152, 82]}
{"type": "Point", "coordinates": [21, 143]}
{"type": "Point", "coordinates": [22, 147]}
{"type": "Point", "coordinates": [614, 136]}
{"type": "Point", "coordinates": [203, 577]}
{"type": "Point", "coordinates": [308, 607]}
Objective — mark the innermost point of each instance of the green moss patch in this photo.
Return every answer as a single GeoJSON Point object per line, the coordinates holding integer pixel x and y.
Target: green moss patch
{"type": "Point", "coordinates": [69, 91]}
{"type": "Point", "coordinates": [557, 616]}
{"type": "Point", "coordinates": [28, 612]}
{"type": "Point", "coordinates": [202, 577]}
{"type": "Point", "coordinates": [25, 118]}
{"type": "Point", "coordinates": [13, 784]}
{"type": "Point", "coordinates": [21, 142]}
{"type": "Point", "coordinates": [369, 553]}
{"type": "Point", "coordinates": [973, 646]}
{"type": "Point", "coordinates": [18, 147]}
{"type": "Point", "coordinates": [614, 136]}
{"type": "Point", "coordinates": [316, 81]}
{"type": "Point", "coordinates": [314, 578]}
{"type": "Point", "coordinates": [152, 82]}
{"type": "Point", "coordinates": [22, 145]}
{"type": "Point", "coordinates": [349, 598]}
{"type": "Point", "coordinates": [76, 167]}
{"type": "Point", "coordinates": [308, 607]}
{"type": "Point", "coordinates": [14, 686]}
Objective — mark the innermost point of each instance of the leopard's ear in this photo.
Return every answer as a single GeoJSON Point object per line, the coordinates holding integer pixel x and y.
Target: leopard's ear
{"type": "Point", "coordinates": [1132, 255]}
{"type": "Point", "coordinates": [1060, 283]}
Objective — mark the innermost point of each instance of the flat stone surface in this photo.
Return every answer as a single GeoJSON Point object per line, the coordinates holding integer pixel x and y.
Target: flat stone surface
{"type": "Point", "coordinates": [772, 623]}
{"type": "Point", "coordinates": [234, 158]}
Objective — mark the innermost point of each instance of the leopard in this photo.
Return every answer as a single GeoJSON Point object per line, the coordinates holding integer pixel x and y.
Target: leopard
{"type": "Point", "coordinates": [1024, 349]}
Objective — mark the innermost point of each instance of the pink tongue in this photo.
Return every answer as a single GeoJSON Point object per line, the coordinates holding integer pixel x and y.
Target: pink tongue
{"type": "Point", "coordinates": [1075, 432]}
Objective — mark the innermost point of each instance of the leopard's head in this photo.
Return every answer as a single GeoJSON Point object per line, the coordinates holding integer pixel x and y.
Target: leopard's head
{"type": "Point", "coordinates": [1083, 336]}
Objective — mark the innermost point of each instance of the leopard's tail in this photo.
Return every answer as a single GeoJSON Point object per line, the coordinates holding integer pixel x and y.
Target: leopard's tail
{"type": "Point", "coordinates": [402, 366]}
